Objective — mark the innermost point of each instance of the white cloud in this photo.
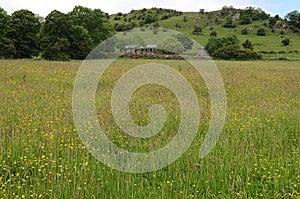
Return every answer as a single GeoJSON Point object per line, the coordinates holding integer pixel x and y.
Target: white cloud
{"type": "Point", "coordinates": [43, 7]}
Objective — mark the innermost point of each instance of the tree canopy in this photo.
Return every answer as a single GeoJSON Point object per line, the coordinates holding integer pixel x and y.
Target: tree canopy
{"type": "Point", "coordinates": [59, 37]}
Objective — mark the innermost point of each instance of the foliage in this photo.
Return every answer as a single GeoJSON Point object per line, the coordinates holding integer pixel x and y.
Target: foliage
{"type": "Point", "coordinates": [149, 18]}
{"type": "Point", "coordinates": [248, 44]}
{"type": "Point", "coordinates": [80, 42]}
{"type": "Point", "coordinates": [285, 42]}
{"type": "Point", "coordinates": [197, 30]}
{"type": "Point", "coordinates": [244, 31]}
{"type": "Point", "coordinates": [245, 19]}
{"type": "Point", "coordinates": [4, 18]}
{"type": "Point", "coordinates": [7, 50]}
{"type": "Point", "coordinates": [55, 36]}
{"type": "Point", "coordinates": [213, 34]}
{"type": "Point", "coordinates": [261, 32]}
{"type": "Point", "coordinates": [185, 41]}
{"type": "Point", "coordinates": [229, 23]}
{"type": "Point", "coordinates": [253, 14]}
{"type": "Point", "coordinates": [231, 52]}
{"type": "Point", "coordinates": [171, 45]}
{"type": "Point", "coordinates": [294, 18]}
{"type": "Point", "coordinates": [272, 21]}
{"type": "Point", "coordinates": [217, 43]}
{"type": "Point", "coordinates": [228, 48]}
{"type": "Point", "coordinates": [95, 21]}
{"type": "Point", "coordinates": [23, 31]}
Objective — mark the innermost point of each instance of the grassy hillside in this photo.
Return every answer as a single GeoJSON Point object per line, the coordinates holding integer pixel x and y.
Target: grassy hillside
{"type": "Point", "coordinates": [184, 22]}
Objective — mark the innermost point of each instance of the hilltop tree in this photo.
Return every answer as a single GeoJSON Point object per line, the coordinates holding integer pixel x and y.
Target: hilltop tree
{"type": "Point", "coordinates": [23, 32]}
{"type": "Point", "coordinates": [294, 18]}
{"type": "Point", "coordinates": [149, 18]}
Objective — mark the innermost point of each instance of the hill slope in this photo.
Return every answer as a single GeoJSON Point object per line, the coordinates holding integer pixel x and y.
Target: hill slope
{"type": "Point", "coordinates": [244, 23]}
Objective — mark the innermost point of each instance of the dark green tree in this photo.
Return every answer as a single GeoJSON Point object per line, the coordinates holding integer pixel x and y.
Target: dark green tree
{"type": "Point", "coordinates": [218, 43]}
{"type": "Point", "coordinates": [55, 36]}
{"type": "Point", "coordinates": [95, 21]}
{"type": "Point", "coordinates": [7, 47]}
{"type": "Point", "coordinates": [4, 18]}
{"type": "Point", "coordinates": [294, 18]}
{"type": "Point", "coordinates": [149, 18]}
{"type": "Point", "coordinates": [80, 43]}
{"type": "Point", "coordinates": [24, 27]}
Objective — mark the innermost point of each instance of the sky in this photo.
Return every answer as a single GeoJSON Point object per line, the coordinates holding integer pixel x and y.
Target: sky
{"type": "Point", "coordinates": [43, 8]}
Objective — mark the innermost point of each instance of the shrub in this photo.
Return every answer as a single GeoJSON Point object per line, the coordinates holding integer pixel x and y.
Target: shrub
{"type": "Point", "coordinates": [230, 52]}
{"type": "Point", "coordinates": [245, 31]}
{"type": "Point", "coordinates": [285, 41]}
{"type": "Point", "coordinates": [248, 44]}
{"type": "Point", "coordinates": [261, 32]}
{"type": "Point", "coordinates": [197, 30]}
{"type": "Point", "coordinates": [213, 34]}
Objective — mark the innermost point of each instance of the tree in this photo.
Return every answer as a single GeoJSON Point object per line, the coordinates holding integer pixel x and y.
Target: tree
{"type": "Point", "coordinates": [213, 44]}
{"type": "Point", "coordinates": [245, 19]}
{"type": "Point", "coordinates": [149, 18]}
{"type": "Point", "coordinates": [7, 47]}
{"type": "Point", "coordinates": [171, 45]}
{"type": "Point", "coordinates": [80, 42]}
{"type": "Point", "coordinates": [55, 36]}
{"type": "Point", "coordinates": [261, 32]}
{"type": "Point", "coordinates": [185, 41]}
{"type": "Point", "coordinates": [95, 21]}
{"type": "Point", "coordinates": [4, 18]}
{"type": "Point", "coordinates": [23, 31]}
{"type": "Point", "coordinates": [218, 43]}
{"type": "Point", "coordinates": [293, 18]}
{"type": "Point", "coordinates": [272, 22]}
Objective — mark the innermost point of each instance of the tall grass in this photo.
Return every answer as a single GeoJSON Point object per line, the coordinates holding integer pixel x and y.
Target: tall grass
{"type": "Point", "coordinates": [41, 155]}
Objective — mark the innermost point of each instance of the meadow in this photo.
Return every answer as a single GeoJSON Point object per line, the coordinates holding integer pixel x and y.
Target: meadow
{"type": "Point", "coordinates": [257, 155]}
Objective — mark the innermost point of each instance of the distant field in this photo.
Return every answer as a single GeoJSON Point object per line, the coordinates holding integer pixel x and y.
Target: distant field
{"type": "Point", "coordinates": [257, 156]}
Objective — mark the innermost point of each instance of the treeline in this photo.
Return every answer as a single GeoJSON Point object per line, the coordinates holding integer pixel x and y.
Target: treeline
{"type": "Point", "coordinates": [57, 37]}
